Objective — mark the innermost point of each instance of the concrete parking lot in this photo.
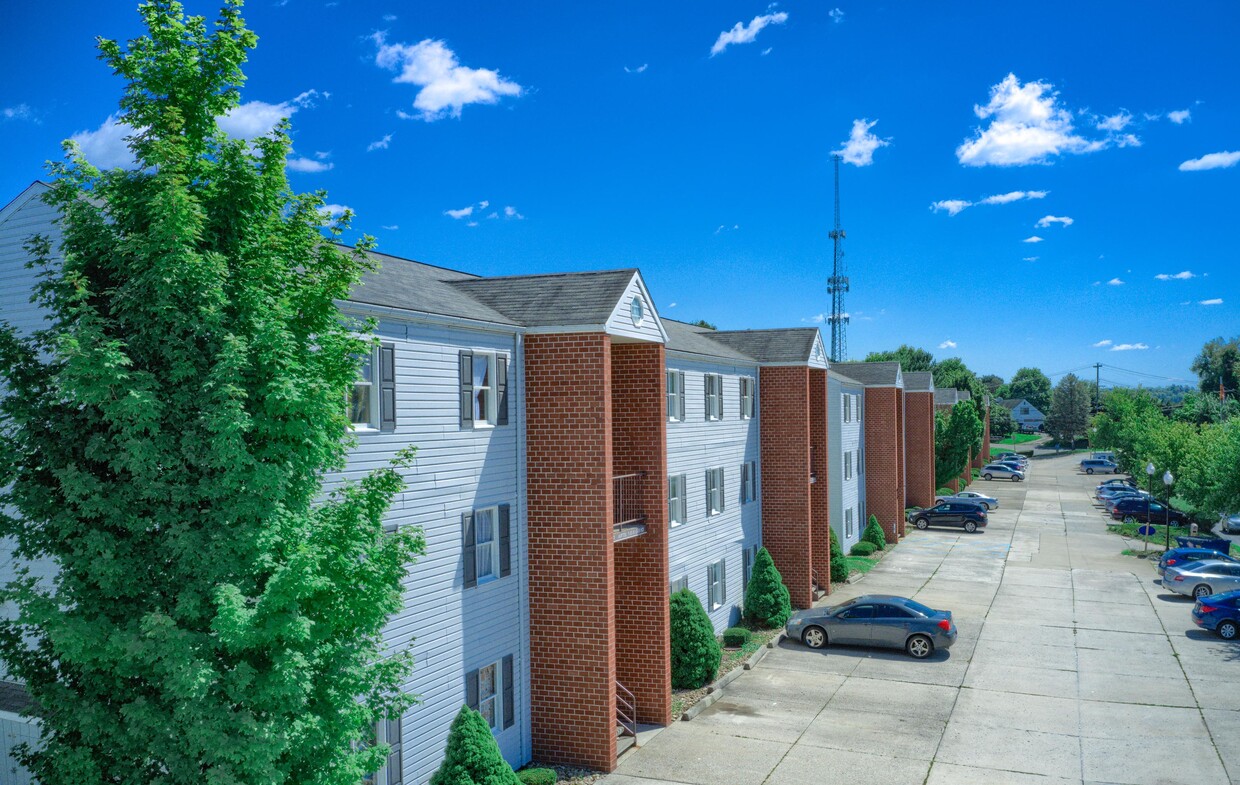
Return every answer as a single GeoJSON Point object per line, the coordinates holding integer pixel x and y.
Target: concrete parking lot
{"type": "Point", "coordinates": [1072, 666]}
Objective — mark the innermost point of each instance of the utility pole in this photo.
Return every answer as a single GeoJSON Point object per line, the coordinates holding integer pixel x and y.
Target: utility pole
{"type": "Point", "coordinates": [1097, 387]}
{"type": "Point", "coordinates": [837, 284]}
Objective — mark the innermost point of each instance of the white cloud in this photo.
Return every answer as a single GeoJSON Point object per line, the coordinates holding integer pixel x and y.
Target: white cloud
{"type": "Point", "coordinates": [381, 144]}
{"type": "Point", "coordinates": [818, 318]}
{"type": "Point", "coordinates": [255, 118]}
{"type": "Point", "coordinates": [1115, 282]}
{"type": "Point", "coordinates": [484, 204]}
{"type": "Point", "coordinates": [1102, 343]}
{"type": "Point", "coordinates": [1180, 116]}
{"type": "Point", "coordinates": [447, 86]}
{"type": "Point", "coordinates": [464, 212]}
{"type": "Point", "coordinates": [1027, 126]}
{"type": "Point", "coordinates": [1033, 239]}
{"type": "Point", "coordinates": [948, 344]}
{"type": "Point", "coordinates": [334, 211]}
{"type": "Point", "coordinates": [511, 212]}
{"type": "Point", "coordinates": [836, 15]}
{"type": "Point", "coordinates": [671, 305]}
{"type": "Point", "coordinates": [767, 51]}
{"type": "Point", "coordinates": [1116, 122]}
{"type": "Point", "coordinates": [1128, 347]}
{"type": "Point", "coordinates": [1224, 160]}
{"type": "Point", "coordinates": [639, 69]}
{"type": "Point", "coordinates": [389, 17]}
{"type": "Point", "coordinates": [1096, 283]}
{"type": "Point", "coordinates": [1180, 276]}
{"type": "Point", "coordinates": [391, 228]}
{"type": "Point", "coordinates": [472, 223]}
{"type": "Point", "coordinates": [1031, 258]}
{"type": "Point", "coordinates": [1013, 196]}
{"type": "Point", "coordinates": [951, 206]}
{"type": "Point", "coordinates": [105, 146]}
{"type": "Point", "coordinates": [19, 112]}
{"type": "Point", "coordinates": [310, 165]}
{"type": "Point", "coordinates": [861, 144]}
{"type": "Point", "coordinates": [745, 34]}
{"type": "Point", "coordinates": [1215, 301]}
{"type": "Point", "coordinates": [1046, 220]}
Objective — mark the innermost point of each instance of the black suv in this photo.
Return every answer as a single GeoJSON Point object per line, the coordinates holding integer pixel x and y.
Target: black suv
{"type": "Point", "coordinates": [1138, 508]}
{"type": "Point", "coordinates": [966, 514]}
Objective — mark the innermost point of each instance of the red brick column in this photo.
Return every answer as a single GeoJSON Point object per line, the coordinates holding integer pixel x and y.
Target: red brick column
{"type": "Point", "coordinates": [820, 490]}
{"type": "Point", "coordinates": [884, 494]}
{"type": "Point", "coordinates": [985, 437]}
{"type": "Point", "coordinates": [784, 443]}
{"type": "Point", "coordinates": [902, 455]}
{"type": "Point", "coordinates": [919, 449]}
{"type": "Point", "coordinates": [639, 444]}
{"type": "Point", "coordinates": [572, 581]}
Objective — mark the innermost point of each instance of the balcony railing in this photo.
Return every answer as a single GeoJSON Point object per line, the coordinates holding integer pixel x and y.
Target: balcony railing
{"type": "Point", "coordinates": [628, 517]}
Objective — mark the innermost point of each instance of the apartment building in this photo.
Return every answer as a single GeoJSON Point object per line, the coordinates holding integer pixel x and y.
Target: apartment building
{"type": "Point", "coordinates": [919, 438]}
{"type": "Point", "coordinates": [846, 437]}
{"type": "Point", "coordinates": [885, 478]}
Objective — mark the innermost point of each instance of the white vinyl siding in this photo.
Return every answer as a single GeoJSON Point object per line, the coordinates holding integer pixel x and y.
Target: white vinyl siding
{"type": "Point", "coordinates": [846, 440]}
{"type": "Point", "coordinates": [716, 582]}
{"type": "Point", "coordinates": [677, 502]}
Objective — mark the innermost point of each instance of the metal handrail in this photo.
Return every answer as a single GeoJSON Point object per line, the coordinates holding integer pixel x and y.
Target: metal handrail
{"type": "Point", "coordinates": [627, 499]}
{"type": "Point", "coordinates": [626, 711]}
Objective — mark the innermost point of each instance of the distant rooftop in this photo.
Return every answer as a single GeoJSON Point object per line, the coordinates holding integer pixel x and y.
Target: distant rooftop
{"type": "Point", "coordinates": [918, 381]}
{"type": "Point", "coordinates": [886, 373]}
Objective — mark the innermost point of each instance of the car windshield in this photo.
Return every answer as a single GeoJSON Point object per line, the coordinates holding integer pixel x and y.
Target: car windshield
{"type": "Point", "coordinates": [917, 607]}
{"type": "Point", "coordinates": [843, 606]}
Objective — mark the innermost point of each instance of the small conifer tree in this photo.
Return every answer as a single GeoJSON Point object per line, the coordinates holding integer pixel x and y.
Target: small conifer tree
{"type": "Point", "coordinates": [472, 756]}
{"type": "Point", "coordinates": [874, 533]}
{"type": "Point", "coordinates": [839, 565]}
{"type": "Point", "coordinates": [767, 601]}
{"type": "Point", "coordinates": [695, 650]}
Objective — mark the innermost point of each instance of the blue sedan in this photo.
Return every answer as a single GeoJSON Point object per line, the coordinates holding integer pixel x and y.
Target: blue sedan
{"type": "Point", "coordinates": [1219, 612]}
{"type": "Point", "coordinates": [1182, 556]}
{"type": "Point", "coordinates": [875, 620]}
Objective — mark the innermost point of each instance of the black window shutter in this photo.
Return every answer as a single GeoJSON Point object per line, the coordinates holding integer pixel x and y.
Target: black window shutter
{"type": "Point", "coordinates": [723, 493]}
{"type": "Point", "coordinates": [510, 708]}
{"type": "Point", "coordinates": [723, 581]}
{"type": "Point", "coordinates": [471, 690]}
{"type": "Point", "coordinates": [680, 396]}
{"type": "Point", "coordinates": [501, 390]}
{"type": "Point", "coordinates": [395, 760]}
{"type": "Point", "coordinates": [467, 390]}
{"type": "Point", "coordinates": [387, 387]}
{"type": "Point", "coordinates": [505, 542]}
{"type": "Point", "coordinates": [709, 482]}
{"type": "Point", "coordinates": [469, 541]}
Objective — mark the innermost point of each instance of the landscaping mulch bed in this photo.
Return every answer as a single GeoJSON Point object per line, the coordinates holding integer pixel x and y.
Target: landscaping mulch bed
{"type": "Point", "coordinates": [732, 659]}
{"type": "Point", "coordinates": [860, 565]}
{"type": "Point", "coordinates": [571, 775]}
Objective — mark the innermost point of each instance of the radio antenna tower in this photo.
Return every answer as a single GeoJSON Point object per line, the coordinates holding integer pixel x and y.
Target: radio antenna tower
{"type": "Point", "coordinates": [837, 284]}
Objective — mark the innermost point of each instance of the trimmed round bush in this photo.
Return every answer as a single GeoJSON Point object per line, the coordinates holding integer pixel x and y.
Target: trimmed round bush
{"type": "Point", "coordinates": [472, 756]}
{"type": "Point", "coordinates": [944, 492]}
{"type": "Point", "coordinates": [735, 637]}
{"type": "Point", "coordinates": [767, 602]}
{"type": "Point", "coordinates": [874, 534]}
{"type": "Point", "coordinates": [537, 776]}
{"type": "Point", "coordinates": [839, 567]}
{"type": "Point", "coordinates": [695, 651]}
{"type": "Point", "coordinates": [863, 548]}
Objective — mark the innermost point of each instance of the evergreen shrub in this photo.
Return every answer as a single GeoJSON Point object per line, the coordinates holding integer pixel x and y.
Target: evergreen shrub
{"type": "Point", "coordinates": [767, 602]}
{"type": "Point", "coordinates": [472, 756]}
{"type": "Point", "coordinates": [537, 776]}
{"type": "Point", "coordinates": [839, 566]}
{"type": "Point", "coordinates": [695, 650]}
{"type": "Point", "coordinates": [734, 637]}
{"type": "Point", "coordinates": [874, 533]}
{"type": "Point", "coordinates": [863, 548]}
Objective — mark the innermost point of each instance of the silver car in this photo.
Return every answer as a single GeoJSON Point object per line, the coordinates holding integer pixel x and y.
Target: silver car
{"type": "Point", "coordinates": [875, 620]}
{"type": "Point", "coordinates": [1230, 524]}
{"type": "Point", "coordinates": [989, 502]}
{"type": "Point", "coordinates": [1202, 578]}
{"type": "Point", "coordinates": [994, 470]}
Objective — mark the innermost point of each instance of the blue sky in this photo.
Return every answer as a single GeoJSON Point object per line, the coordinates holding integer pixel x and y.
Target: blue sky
{"type": "Point", "coordinates": [693, 140]}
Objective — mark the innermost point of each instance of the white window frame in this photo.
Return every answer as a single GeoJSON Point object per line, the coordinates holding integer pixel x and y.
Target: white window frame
{"type": "Point", "coordinates": [712, 384]}
{"type": "Point", "coordinates": [675, 397]}
{"type": "Point", "coordinates": [847, 407]}
{"type": "Point", "coordinates": [680, 583]}
{"type": "Point", "coordinates": [491, 550]}
{"type": "Point", "coordinates": [495, 699]}
{"type": "Point", "coordinates": [383, 775]}
{"type": "Point", "coordinates": [372, 424]}
{"type": "Point", "coordinates": [715, 503]}
{"type": "Point", "coordinates": [848, 465]}
{"type": "Point", "coordinates": [747, 388]}
{"type": "Point", "coordinates": [749, 556]}
{"type": "Point", "coordinates": [488, 418]}
{"type": "Point", "coordinates": [848, 522]}
{"type": "Point", "coordinates": [716, 584]}
{"type": "Point", "coordinates": [749, 481]}
{"type": "Point", "coordinates": [677, 500]}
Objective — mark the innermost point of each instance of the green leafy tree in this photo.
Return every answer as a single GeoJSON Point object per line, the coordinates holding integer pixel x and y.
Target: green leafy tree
{"type": "Point", "coordinates": [839, 565]}
{"type": "Point", "coordinates": [991, 382]}
{"type": "Point", "coordinates": [472, 756]}
{"type": "Point", "coordinates": [1001, 424]}
{"type": "Point", "coordinates": [1208, 476]}
{"type": "Point", "coordinates": [695, 650]}
{"type": "Point", "coordinates": [909, 357]}
{"type": "Point", "coordinates": [1032, 385]}
{"type": "Point", "coordinates": [1202, 408]}
{"type": "Point", "coordinates": [956, 437]}
{"type": "Point", "coordinates": [1219, 361]}
{"type": "Point", "coordinates": [213, 617]}
{"type": "Point", "coordinates": [873, 534]}
{"type": "Point", "coordinates": [1068, 418]}
{"type": "Point", "coordinates": [767, 601]}
{"type": "Point", "coordinates": [953, 373]}
{"type": "Point", "coordinates": [704, 323]}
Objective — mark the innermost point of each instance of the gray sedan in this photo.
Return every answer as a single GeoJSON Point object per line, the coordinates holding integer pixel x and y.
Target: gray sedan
{"type": "Point", "coordinates": [989, 502]}
{"type": "Point", "coordinates": [875, 620]}
{"type": "Point", "coordinates": [1202, 578]}
{"type": "Point", "coordinates": [994, 470]}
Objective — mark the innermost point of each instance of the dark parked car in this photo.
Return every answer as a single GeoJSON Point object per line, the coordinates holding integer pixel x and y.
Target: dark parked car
{"type": "Point", "coordinates": [1219, 612]}
{"type": "Point", "coordinates": [970, 515]}
{"type": "Point", "coordinates": [1117, 482]}
{"type": "Point", "coordinates": [1182, 556]}
{"type": "Point", "coordinates": [875, 620]}
{"type": "Point", "coordinates": [1145, 510]}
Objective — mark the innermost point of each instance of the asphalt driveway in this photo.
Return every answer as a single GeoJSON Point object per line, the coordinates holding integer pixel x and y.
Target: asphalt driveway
{"type": "Point", "coordinates": [1072, 666]}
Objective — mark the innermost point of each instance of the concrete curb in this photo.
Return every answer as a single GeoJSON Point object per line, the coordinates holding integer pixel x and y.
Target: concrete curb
{"type": "Point", "coordinates": [700, 706]}
{"type": "Point", "coordinates": [714, 691]}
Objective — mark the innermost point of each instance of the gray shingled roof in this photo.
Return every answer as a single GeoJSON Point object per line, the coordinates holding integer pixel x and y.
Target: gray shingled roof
{"type": "Point", "coordinates": [918, 381]}
{"type": "Point", "coordinates": [946, 396]}
{"type": "Point", "coordinates": [691, 339]}
{"type": "Point", "coordinates": [870, 373]}
{"type": "Point", "coordinates": [414, 286]}
{"type": "Point", "coordinates": [13, 697]}
{"type": "Point", "coordinates": [1011, 403]}
{"type": "Point", "coordinates": [790, 345]}
{"type": "Point", "coordinates": [965, 395]}
{"type": "Point", "coordinates": [547, 300]}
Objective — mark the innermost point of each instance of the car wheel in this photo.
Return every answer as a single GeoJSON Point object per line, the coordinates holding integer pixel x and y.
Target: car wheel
{"type": "Point", "coordinates": [1227, 630]}
{"type": "Point", "coordinates": [987, 506]}
{"type": "Point", "coordinates": [919, 647]}
{"type": "Point", "coordinates": [814, 637]}
{"type": "Point", "coordinates": [921, 523]}
{"type": "Point", "coordinates": [970, 526]}
{"type": "Point", "coordinates": [1015, 479]}
{"type": "Point", "coordinates": [1130, 519]}
{"type": "Point", "coordinates": [1089, 471]}
{"type": "Point", "coordinates": [987, 476]}
{"type": "Point", "coordinates": [1202, 590]}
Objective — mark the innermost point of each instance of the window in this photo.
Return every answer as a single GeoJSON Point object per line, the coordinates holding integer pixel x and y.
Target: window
{"type": "Point", "coordinates": [848, 465]}
{"type": "Point", "coordinates": [484, 389]}
{"type": "Point", "coordinates": [891, 612]}
{"type": "Point", "coordinates": [676, 396]}
{"type": "Point", "coordinates": [747, 407]}
{"type": "Point", "coordinates": [680, 583]}
{"type": "Point", "coordinates": [713, 384]}
{"type": "Point", "coordinates": [714, 491]}
{"type": "Point", "coordinates": [486, 540]}
{"type": "Point", "coordinates": [362, 403]}
{"type": "Point", "coordinates": [749, 555]}
{"type": "Point", "coordinates": [848, 522]}
{"type": "Point", "coordinates": [716, 584]}
{"type": "Point", "coordinates": [388, 732]}
{"type": "Point", "coordinates": [859, 612]}
{"type": "Point", "coordinates": [847, 408]}
{"type": "Point", "coordinates": [677, 503]}
{"type": "Point", "coordinates": [372, 401]}
{"type": "Point", "coordinates": [749, 482]}
{"type": "Point", "coordinates": [491, 692]}
{"type": "Point", "coordinates": [1024, 410]}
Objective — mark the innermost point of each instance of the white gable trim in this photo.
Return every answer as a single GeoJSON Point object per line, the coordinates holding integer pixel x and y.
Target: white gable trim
{"type": "Point", "coordinates": [34, 190]}
{"type": "Point", "coordinates": [620, 323]}
{"type": "Point", "coordinates": [818, 354]}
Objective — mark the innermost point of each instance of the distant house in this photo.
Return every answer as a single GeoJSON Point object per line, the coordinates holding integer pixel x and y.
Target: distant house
{"type": "Point", "coordinates": [1025, 416]}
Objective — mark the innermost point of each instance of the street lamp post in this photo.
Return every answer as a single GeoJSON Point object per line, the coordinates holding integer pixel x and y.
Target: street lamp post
{"type": "Point", "coordinates": [1167, 480]}
{"type": "Point", "coordinates": [1149, 471]}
